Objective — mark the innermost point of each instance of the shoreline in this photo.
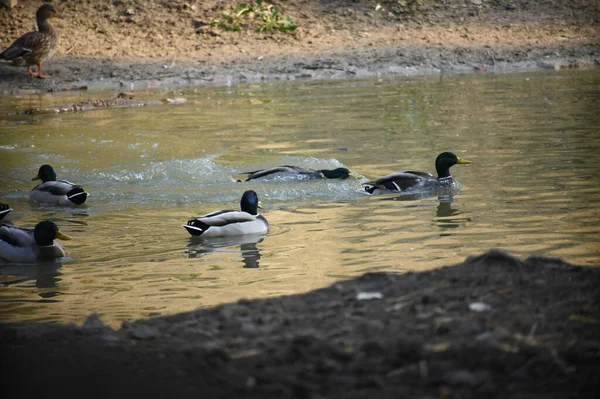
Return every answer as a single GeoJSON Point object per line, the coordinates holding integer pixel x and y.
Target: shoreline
{"type": "Point", "coordinates": [68, 71]}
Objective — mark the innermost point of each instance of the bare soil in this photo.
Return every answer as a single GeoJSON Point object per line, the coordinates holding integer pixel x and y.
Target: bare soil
{"type": "Point", "coordinates": [140, 44]}
{"type": "Point", "coordinates": [419, 337]}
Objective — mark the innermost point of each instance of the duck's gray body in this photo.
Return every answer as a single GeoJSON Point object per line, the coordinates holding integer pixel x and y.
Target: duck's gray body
{"type": "Point", "coordinates": [230, 222]}
{"type": "Point", "coordinates": [58, 192]}
{"type": "Point", "coordinates": [227, 223]}
{"type": "Point", "coordinates": [17, 245]}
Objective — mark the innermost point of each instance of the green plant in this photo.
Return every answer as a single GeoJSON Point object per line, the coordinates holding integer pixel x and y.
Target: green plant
{"type": "Point", "coordinates": [272, 21]}
{"type": "Point", "coordinates": [264, 17]}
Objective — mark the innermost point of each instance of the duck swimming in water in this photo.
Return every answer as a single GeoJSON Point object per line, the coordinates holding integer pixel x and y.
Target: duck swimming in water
{"type": "Point", "coordinates": [38, 46]}
{"type": "Point", "coordinates": [56, 192]}
{"type": "Point", "coordinates": [408, 179]}
{"type": "Point", "coordinates": [338, 173]}
{"type": "Point", "coordinates": [230, 222]}
{"type": "Point", "coordinates": [21, 245]}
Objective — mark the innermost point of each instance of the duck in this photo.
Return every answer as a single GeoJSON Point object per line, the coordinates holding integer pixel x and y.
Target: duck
{"type": "Point", "coordinates": [56, 192]}
{"type": "Point", "coordinates": [338, 173]}
{"type": "Point", "coordinates": [38, 46]}
{"type": "Point", "coordinates": [23, 245]}
{"type": "Point", "coordinates": [229, 222]}
{"type": "Point", "coordinates": [4, 210]}
{"type": "Point", "coordinates": [408, 179]}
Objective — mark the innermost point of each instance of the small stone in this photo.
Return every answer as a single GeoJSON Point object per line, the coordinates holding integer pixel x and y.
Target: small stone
{"type": "Point", "coordinates": [479, 307]}
{"type": "Point", "coordinates": [139, 331]}
{"type": "Point", "coordinates": [460, 377]}
{"type": "Point", "coordinates": [93, 321]}
{"type": "Point", "coordinates": [366, 296]}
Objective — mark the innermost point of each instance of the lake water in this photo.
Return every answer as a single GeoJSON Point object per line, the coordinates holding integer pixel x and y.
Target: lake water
{"type": "Point", "coordinates": [533, 187]}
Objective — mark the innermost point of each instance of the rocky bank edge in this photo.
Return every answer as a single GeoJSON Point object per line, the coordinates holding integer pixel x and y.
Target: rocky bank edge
{"type": "Point", "coordinates": [493, 326]}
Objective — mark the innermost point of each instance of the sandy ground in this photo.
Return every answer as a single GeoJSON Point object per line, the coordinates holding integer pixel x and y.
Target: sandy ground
{"type": "Point", "coordinates": [136, 45]}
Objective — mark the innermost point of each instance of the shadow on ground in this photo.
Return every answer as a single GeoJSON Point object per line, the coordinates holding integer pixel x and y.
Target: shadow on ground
{"type": "Point", "coordinates": [493, 325]}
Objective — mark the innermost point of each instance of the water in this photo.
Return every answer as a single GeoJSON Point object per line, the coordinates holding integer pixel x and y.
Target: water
{"type": "Point", "coordinates": [532, 188]}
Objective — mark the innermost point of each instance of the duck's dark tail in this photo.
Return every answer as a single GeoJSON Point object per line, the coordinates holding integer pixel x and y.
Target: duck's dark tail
{"type": "Point", "coordinates": [4, 210]}
{"type": "Point", "coordinates": [77, 195]}
{"type": "Point", "coordinates": [195, 227]}
{"type": "Point", "coordinates": [370, 189]}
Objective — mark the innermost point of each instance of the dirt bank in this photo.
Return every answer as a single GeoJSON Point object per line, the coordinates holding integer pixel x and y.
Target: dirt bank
{"type": "Point", "coordinates": [136, 45]}
{"type": "Point", "coordinates": [494, 326]}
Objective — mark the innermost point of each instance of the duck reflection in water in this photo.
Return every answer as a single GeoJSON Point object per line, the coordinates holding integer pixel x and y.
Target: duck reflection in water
{"type": "Point", "coordinates": [448, 217]}
{"type": "Point", "coordinates": [200, 246]}
{"type": "Point", "coordinates": [444, 208]}
{"type": "Point", "coordinates": [46, 274]}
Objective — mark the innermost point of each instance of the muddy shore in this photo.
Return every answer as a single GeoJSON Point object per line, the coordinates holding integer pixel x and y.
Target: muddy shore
{"type": "Point", "coordinates": [493, 326]}
{"type": "Point", "coordinates": [126, 45]}
{"type": "Point", "coordinates": [71, 72]}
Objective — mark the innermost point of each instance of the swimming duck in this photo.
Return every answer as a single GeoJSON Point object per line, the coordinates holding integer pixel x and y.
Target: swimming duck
{"type": "Point", "coordinates": [4, 210]}
{"type": "Point", "coordinates": [406, 179]}
{"type": "Point", "coordinates": [339, 173]}
{"type": "Point", "coordinates": [229, 222]}
{"type": "Point", "coordinates": [21, 245]}
{"type": "Point", "coordinates": [56, 192]}
{"type": "Point", "coordinates": [36, 47]}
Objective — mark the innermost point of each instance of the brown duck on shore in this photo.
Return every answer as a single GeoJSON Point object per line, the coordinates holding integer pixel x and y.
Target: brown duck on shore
{"type": "Point", "coordinates": [36, 47]}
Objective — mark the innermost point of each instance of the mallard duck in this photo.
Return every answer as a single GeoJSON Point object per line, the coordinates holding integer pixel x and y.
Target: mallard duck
{"type": "Point", "coordinates": [229, 222]}
{"type": "Point", "coordinates": [339, 173]}
{"type": "Point", "coordinates": [4, 210]}
{"type": "Point", "coordinates": [21, 245]}
{"type": "Point", "coordinates": [56, 192]}
{"type": "Point", "coordinates": [36, 47]}
{"type": "Point", "coordinates": [407, 179]}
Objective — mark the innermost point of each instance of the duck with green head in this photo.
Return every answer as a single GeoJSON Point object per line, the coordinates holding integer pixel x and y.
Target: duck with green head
{"type": "Point", "coordinates": [289, 170]}
{"type": "Point", "coordinates": [22, 245]}
{"type": "Point", "coordinates": [410, 179]}
{"type": "Point", "coordinates": [56, 192]}
{"type": "Point", "coordinates": [231, 222]}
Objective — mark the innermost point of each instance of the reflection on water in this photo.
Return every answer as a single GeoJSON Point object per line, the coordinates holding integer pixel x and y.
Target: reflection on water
{"type": "Point", "coordinates": [44, 276]}
{"type": "Point", "coordinates": [448, 217]}
{"type": "Point", "coordinates": [250, 253]}
{"type": "Point", "coordinates": [532, 187]}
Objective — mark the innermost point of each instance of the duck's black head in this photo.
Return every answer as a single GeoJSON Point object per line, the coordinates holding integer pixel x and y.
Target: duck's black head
{"type": "Point", "coordinates": [445, 161]}
{"type": "Point", "coordinates": [45, 173]}
{"type": "Point", "coordinates": [46, 232]}
{"type": "Point", "coordinates": [339, 173]}
{"type": "Point", "coordinates": [47, 11]}
{"type": "Point", "coordinates": [249, 202]}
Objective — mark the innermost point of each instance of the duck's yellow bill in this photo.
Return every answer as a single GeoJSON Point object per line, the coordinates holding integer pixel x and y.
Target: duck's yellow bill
{"type": "Point", "coordinates": [36, 178]}
{"type": "Point", "coordinates": [260, 205]}
{"type": "Point", "coordinates": [62, 236]}
{"type": "Point", "coordinates": [462, 161]}
{"type": "Point", "coordinates": [354, 175]}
